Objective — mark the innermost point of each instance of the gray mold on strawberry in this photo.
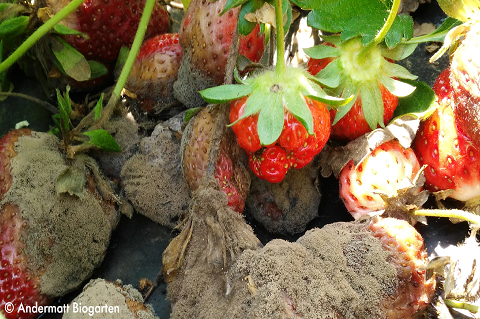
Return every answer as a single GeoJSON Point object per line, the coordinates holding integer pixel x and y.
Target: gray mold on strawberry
{"type": "Point", "coordinates": [286, 207]}
{"type": "Point", "coordinates": [67, 235]}
{"type": "Point", "coordinates": [153, 178]}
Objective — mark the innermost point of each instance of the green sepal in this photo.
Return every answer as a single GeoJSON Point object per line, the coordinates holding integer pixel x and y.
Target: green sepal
{"type": "Point", "coordinates": [333, 39]}
{"type": "Point", "coordinates": [103, 140]}
{"type": "Point", "coordinates": [225, 93]}
{"type": "Point", "coordinates": [372, 104]}
{"type": "Point", "coordinates": [98, 107]}
{"type": "Point", "coordinates": [421, 101]}
{"type": "Point", "coordinates": [232, 4]}
{"type": "Point", "coordinates": [322, 52]}
{"type": "Point", "coordinates": [270, 119]}
{"type": "Point", "coordinates": [190, 113]}
{"type": "Point", "coordinates": [395, 70]}
{"type": "Point", "coordinates": [13, 27]}
{"type": "Point", "coordinates": [463, 10]}
{"type": "Point", "coordinates": [97, 69]}
{"type": "Point", "coordinates": [351, 91]}
{"type": "Point", "coordinates": [237, 77]}
{"type": "Point", "coordinates": [399, 52]}
{"type": "Point", "coordinates": [64, 30]}
{"type": "Point", "coordinates": [73, 62]}
{"type": "Point", "coordinates": [397, 88]}
{"type": "Point", "coordinates": [402, 28]}
{"type": "Point", "coordinates": [245, 26]}
{"type": "Point", "coordinates": [439, 34]}
{"type": "Point", "coordinates": [315, 92]}
{"type": "Point", "coordinates": [331, 75]}
{"type": "Point", "coordinates": [297, 105]}
{"type": "Point", "coordinates": [255, 103]}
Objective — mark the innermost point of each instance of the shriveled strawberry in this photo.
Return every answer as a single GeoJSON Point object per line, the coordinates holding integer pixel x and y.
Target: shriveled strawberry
{"type": "Point", "coordinates": [206, 37]}
{"type": "Point", "coordinates": [381, 171]}
{"type": "Point", "coordinates": [196, 153]}
{"type": "Point", "coordinates": [371, 76]}
{"type": "Point", "coordinates": [109, 24]}
{"type": "Point", "coordinates": [154, 72]}
{"type": "Point", "coordinates": [409, 257]}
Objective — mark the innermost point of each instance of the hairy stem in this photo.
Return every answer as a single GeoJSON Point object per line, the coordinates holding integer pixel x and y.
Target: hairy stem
{"type": "Point", "coordinates": [450, 213]}
{"type": "Point", "coordinates": [137, 42]}
{"type": "Point", "coordinates": [40, 32]}
{"type": "Point", "coordinates": [280, 67]}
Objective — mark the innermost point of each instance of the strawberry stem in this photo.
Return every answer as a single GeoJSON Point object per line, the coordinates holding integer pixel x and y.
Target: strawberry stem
{"type": "Point", "coordinates": [461, 305]}
{"type": "Point", "coordinates": [280, 66]}
{"type": "Point", "coordinates": [383, 31]}
{"type": "Point", "coordinates": [132, 55]}
{"type": "Point", "coordinates": [450, 213]}
{"type": "Point", "coordinates": [40, 32]}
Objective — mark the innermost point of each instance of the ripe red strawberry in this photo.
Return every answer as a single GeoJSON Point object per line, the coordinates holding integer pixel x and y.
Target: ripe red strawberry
{"type": "Point", "coordinates": [370, 76]}
{"type": "Point", "coordinates": [154, 72]}
{"type": "Point", "coordinates": [245, 129]}
{"type": "Point", "coordinates": [109, 24]}
{"type": "Point", "coordinates": [409, 257]}
{"type": "Point", "coordinates": [274, 164]}
{"type": "Point", "coordinates": [206, 38]}
{"type": "Point", "coordinates": [231, 178]}
{"type": "Point", "coordinates": [382, 170]}
{"type": "Point", "coordinates": [441, 144]}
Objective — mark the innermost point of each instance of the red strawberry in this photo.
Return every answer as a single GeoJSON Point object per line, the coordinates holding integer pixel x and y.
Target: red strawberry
{"type": "Point", "coordinates": [198, 142]}
{"type": "Point", "coordinates": [382, 170]}
{"type": "Point", "coordinates": [245, 129]}
{"type": "Point", "coordinates": [348, 69]}
{"type": "Point", "coordinates": [154, 72]}
{"type": "Point", "coordinates": [109, 24]}
{"type": "Point", "coordinates": [441, 144]}
{"type": "Point", "coordinates": [274, 164]}
{"type": "Point", "coordinates": [206, 38]}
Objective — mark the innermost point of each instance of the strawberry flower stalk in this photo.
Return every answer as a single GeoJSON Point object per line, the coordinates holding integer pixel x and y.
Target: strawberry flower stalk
{"type": "Point", "coordinates": [280, 116]}
{"type": "Point", "coordinates": [349, 66]}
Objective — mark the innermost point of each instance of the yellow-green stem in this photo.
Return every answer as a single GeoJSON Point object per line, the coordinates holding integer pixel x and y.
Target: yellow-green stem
{"type": "Point", "coordinates": [461, 305]}
{"type": "Point", "coordinates": [450, 213]}
{"type": "Point", "coordinates": [40, 32]}
{"type": "Point", "coordinates": [280, 67]}
{"type": "Point", "coordinates": [383, 31]}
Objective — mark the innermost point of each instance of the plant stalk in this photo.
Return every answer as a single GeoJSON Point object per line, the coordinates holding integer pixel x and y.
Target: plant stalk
{"type": "Point", "coordinates": [132, 55]}
{"type": "Point", "coordinates": [280, 66]}
{"type": "Point", "coordinates": [450, 213]}
{"type": "Point", "coordinates": [40, 32]}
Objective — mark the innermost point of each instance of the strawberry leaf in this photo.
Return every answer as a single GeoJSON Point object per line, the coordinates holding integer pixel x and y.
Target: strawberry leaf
{"type": "Point", "coordinates": [420, 101]}
{"type": "Point", "coordinates": [13, 27]}
{"type": "Point", "coordinates": [98, 107]}
{"type": "Point", "coordinates": [305, 4]}
{"type": "Point", "coordinates": [97, 69]}
{"type": "Point", "coordinates": [372, 104]}
{"type": "Point", "coordinates": [296, 104]}
{"type": "Point", "coordinates": [64, 110]}
{"type": "Point", "coordinates": [270, 119]}
{"type": "Point", "coordinates": [103, 140]}
{"type": "Point", "coordinates": [402, 28]}
{"type": "Point", "coordinates": [73, 62]}
{"type": "Point", "coordinates": [232, 4]}
{"type": "Point", "coordinates": [439, 34]}
{"type": "Point", "coordinates": [64, 30]}
{"type": "Point", "coordinates": [245, 26]}
{"type": "Point", "coordinates": [225, 93]}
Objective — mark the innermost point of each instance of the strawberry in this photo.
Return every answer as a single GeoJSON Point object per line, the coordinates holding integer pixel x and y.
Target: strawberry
{"type": "Point", "coordinates": [230, 177]}
{"type": "Point", "coordinates": [381, 171]}
{"type": "Point", "coordinates": [154, 72]}
{"type": "Point", "coordinates": [245, 129]}
{"type": "Point", "coordinates": [109, 25]}
{"type": "Point", "coordinates": [450, 155]}
{"type": "Point", "coordinates": [206, 38]}
{"type": "Point", "coordinates": [40, 257]}
{"type": "Point", "coordinates": [371, 76]}
{"type": "Point", "coordinates": [274, 164]}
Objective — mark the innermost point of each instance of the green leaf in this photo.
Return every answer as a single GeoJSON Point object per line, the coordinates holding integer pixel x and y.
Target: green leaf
{"type": "Point", "coordinates": [395, 70]}
{"type": "Point", "coordinates": [306, 4]}
{"type": "Point", "coordinates": [422, 100]}
{"type": "Point", "coordinates": [297, 105]}
{"type": "Point", "coordinates": [64, 110]}
{"type": "Point", "coordinates": [322, 52]}
{"type": "Point", "coordinates": [190, 113]}
{"type": "Point", "coordinates": [232, 4]}
{"type": "Point", "coordinates": [287, 16]}
{"type": "Point", "coordinates": [122, 57]}
{"type": "Point", "coordinates": [14, 26]}
{"type": "Point", "coordinates": [402, 28]}
{"type": "Point", "coordinates": [372, 104]}
{"type": "Point", "coordinates": [463, 10]}
{"type": "Point", "coordinates": [270, 119]}
{"type": "Point", "coordinates": [331, 75]}
{"type": "Point", "coordinates": [64, 30]}
{"type": "Point", "coordinates": [98, 107]}
{"type": "Point", "coordinates": [397, 88]}
{"type": "Point", "coordinates": [245, 26]}
{"type": "Point", "coordinates": [97, 69]}
{"type": "Point", "coordinates": [225, 93]}
{"type": "Point", "coordinates": [103, 140]}
{"type": "Point", "coordinates": [73, 62]}
{"type": "Point", "coordinates": [439, 34]}
{"type": "Point", "coordinates": [185, 3]}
